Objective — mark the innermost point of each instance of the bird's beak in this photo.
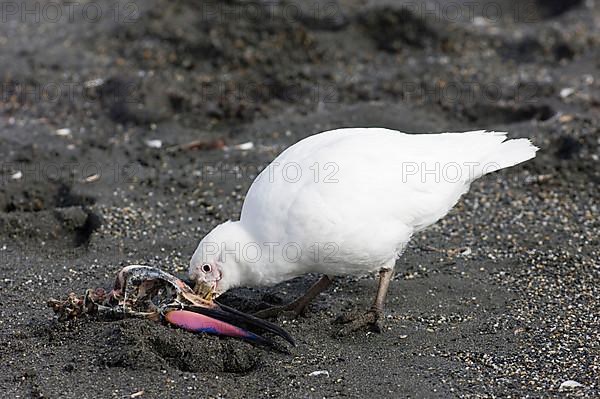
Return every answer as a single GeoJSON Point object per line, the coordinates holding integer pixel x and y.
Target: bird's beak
{"type": "Point", "coordinates": [223, 320]}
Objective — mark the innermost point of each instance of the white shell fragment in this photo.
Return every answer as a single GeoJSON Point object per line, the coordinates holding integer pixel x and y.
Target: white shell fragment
{"type": "Point", "coordinates": [93, 83]}
{"type": "Point", "coordinates": [318, 373]}
{"type": "Point", "coordinates": [154, 143]}
{"type": "Point", "coordinates": [569, 384]}
{"type": "Point", "coordinates": [63, 132]}
{"type": "Point", "coordinates": [566, 92]}
{"type": "Point", "coordinates": [466, 251]}
{"type": "Point", "coordinates": [92, 178]}
{"type": "Point", "coordinates": [17, 175]}
{"type": "Point", "coordinates": [244, 146]}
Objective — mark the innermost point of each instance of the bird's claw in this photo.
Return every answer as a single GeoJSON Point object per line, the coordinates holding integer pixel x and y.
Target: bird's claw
{"type": "Point", "coordinates": [352, 322]}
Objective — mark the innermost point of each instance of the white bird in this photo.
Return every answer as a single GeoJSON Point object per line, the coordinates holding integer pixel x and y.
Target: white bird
{"type": "Point", "coordinates": [347, 201]}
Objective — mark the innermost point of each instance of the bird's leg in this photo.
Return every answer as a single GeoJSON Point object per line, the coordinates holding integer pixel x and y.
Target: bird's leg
{"type": "Point", "coordinates": [298, 306]}
{"type": "Point", "coordinates": [372, 317]}
{"type": "Point", "coordinates": [385, 276]}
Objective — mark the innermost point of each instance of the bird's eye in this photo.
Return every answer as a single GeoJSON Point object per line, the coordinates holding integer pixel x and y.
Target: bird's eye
{"type": "Point", "coordinates": [206, 268]}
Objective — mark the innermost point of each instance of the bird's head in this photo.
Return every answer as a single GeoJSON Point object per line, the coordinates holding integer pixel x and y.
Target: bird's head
{"type": "Point", "coordinates": [216, 264]}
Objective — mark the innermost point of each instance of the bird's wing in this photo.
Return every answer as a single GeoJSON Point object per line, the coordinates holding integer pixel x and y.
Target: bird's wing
{"type": "Point", "coordinates": [361, 184]}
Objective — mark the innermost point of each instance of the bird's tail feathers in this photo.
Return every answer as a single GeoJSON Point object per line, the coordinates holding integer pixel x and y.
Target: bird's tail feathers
{"type": "Point", "coordinates": [508, 153]}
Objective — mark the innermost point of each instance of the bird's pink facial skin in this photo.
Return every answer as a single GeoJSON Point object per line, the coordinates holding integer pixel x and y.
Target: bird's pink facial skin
{"type": "Point", "coordinates": [208, 275]}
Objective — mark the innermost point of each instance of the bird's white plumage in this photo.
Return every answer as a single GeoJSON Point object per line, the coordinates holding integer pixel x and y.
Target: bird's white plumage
{"type": "Point", "coordinates": [350, 199]}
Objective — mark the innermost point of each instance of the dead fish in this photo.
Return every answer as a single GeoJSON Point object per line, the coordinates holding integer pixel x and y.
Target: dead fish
{"type": "Point", "coordinates": [147, 292]}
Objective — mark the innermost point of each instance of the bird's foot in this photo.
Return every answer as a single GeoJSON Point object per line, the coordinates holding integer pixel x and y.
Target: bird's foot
{"type": "Point", "coordinates": [288, 311]}
{"type": "Point", "coordinates": [352, 322]}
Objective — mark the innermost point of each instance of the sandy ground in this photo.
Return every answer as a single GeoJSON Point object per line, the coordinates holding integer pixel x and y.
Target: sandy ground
{"type": "Point", "coordinates": [499, 299]}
